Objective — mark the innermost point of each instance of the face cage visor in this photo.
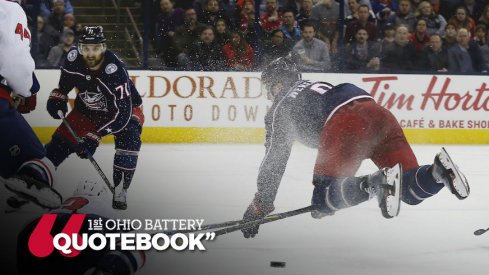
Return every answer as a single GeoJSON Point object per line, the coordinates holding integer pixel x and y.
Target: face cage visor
{"type": "Point", "coordinates": [87, 49]}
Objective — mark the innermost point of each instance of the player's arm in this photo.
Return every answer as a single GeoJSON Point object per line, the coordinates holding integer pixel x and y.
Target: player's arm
{"type": "Point", "coordinates": [119, 105]}
{"type": "Point", "coordinates": [278, 146]}
{"type": "Point", "coordinates": [17, 63]}
{"type": "Point", "coordinates": [58, 98]}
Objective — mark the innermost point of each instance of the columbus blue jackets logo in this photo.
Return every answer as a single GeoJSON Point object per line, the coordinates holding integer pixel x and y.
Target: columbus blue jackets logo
{"type": "Point", "coordinates": [111, 68]}
{"type": "Point", "coordinates": [72, 55]}
{"type": "Point", "coordinates": [94, 100]}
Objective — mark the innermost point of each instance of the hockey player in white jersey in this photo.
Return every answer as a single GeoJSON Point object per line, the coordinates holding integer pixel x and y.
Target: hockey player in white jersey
{"type": "Point", "coordinates": [24, 169]}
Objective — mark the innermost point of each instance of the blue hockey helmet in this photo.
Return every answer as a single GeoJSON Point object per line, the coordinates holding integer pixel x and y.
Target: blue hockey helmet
{"type": "Point", "coordinates": [282, 70]}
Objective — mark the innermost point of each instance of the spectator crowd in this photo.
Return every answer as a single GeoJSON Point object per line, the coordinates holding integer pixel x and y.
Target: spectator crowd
{"type": "Point", "coordinates": [369, 36]}
{"type": "Point", "coordinates": [57, 30]}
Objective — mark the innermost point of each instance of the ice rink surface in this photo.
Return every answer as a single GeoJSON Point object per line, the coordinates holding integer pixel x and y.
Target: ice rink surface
{"type": "Point", "coordinates": [217, 182]}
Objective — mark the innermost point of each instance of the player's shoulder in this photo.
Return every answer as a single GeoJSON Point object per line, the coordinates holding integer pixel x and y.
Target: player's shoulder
{"type": "Point", "coordinates": [10, 6]}
{"type": "Point", "coordinates": [113, 64]}
{"type": "Point", "coordinates": [73, 57]}
{"type": "Point", "coordinates": [10, 10]}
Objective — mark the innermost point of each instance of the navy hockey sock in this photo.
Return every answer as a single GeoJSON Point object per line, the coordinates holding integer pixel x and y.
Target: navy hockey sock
{"type": "Point", "coordinates": [124, 167]}
{"type": "Point", "coordinates": [335, 193]}
{"type": "Point", "coordinates": [419, 184]}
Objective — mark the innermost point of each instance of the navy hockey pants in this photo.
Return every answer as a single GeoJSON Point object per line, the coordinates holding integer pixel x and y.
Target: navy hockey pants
{"type": "Point", "coordinates": [18, 143]}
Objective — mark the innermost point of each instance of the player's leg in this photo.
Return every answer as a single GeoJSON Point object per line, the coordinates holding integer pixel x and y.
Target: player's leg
{"type": "Point", "coordinates": [127, 145]}
{"type": "Point", "coordinates": [419, 182]}
{"type": "Point", "coordinates": [345, 142]}
{"type": "Point", "coordinates": [24, 169]}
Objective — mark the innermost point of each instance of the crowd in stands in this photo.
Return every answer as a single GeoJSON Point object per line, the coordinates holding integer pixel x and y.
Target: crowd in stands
{"type": "Point", "coordinates": [370, 36]}
{"type": "Point", "coordinates": [57, 30]}
{"type": "Point", "coordinates": [375, 35]}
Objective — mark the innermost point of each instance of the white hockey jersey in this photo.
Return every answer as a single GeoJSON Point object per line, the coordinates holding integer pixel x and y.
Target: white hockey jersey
{"type": "Point", "coordinates": [16, 63]}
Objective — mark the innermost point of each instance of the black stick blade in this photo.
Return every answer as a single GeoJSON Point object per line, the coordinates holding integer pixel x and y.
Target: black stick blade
{"type": "Point", "coordinates": [480, 231]}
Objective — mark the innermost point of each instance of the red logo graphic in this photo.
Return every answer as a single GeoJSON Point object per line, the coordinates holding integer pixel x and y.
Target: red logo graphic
{"type": "Point", "coordinates": [41, 241]}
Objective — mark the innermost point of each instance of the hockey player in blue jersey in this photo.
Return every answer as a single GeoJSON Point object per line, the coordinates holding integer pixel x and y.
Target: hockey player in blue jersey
{"type": "Point", "coordinates": [106, 103]}
{"type": "Point", "coordinates": [24, 169]}
{"type": "Point", "coordinates": [347, 126]}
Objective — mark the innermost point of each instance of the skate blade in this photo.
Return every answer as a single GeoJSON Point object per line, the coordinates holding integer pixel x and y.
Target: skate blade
{"type": "Point", "coordinates": [45, 197]}
{"type": "Point", "coordinates": [458, 183]}
{"type": "Point", "coordinates": [392, 203]}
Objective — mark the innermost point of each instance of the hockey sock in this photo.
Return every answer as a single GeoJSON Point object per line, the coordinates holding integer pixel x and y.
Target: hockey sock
{"type": "Point", "coordinates": [335, 193]}
{"type": "Point", "coordinates": [124, 167]}
{"type": "Point", "coordinates": [419, 184]}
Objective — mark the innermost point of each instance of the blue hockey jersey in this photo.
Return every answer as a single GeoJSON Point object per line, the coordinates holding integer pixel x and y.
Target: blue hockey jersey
{"type": "Point", "coordinates": [106, 95]}
{"type": "Point", "coordinates": [298, 114]}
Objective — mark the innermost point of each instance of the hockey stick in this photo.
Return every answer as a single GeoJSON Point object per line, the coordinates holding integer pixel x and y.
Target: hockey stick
{"type": "Point", "coordinates": [206, 227]}
{"type": "Point", "coordinates": [238, 224]}
{"type": "Point", "coordinates": [224, 224]}
{"type": "Point", "coordinates": [480, 231]}
{"type": "Point", "coordinates": [267, 219]}
{"type": "Point", "coordinates": [89, 156]}
{"type": "Point", "coordinates": [242, 224]}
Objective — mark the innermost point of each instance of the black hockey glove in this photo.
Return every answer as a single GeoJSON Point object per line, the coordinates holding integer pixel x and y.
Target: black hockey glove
{"type": "Point", "coordinates": [57, 102]}
{"type": "Point", "coordinates": [88, 145]}
{"type": "Point", "coordinates": [257, 210]}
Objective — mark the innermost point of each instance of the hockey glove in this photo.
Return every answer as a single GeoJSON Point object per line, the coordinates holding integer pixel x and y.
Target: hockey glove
{"type": "Point", "coordinates": [25, 104]}
{"type": "Point", "coordinates": [57, 101]}
{"type": "Point", "coordinates": [88, 145]}
{"type": "Point", "coordinates": [257, 210]}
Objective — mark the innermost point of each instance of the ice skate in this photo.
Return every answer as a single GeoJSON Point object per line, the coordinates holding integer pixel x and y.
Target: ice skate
{"type": "Point", "coordinates": [386, 184]}
{"type": "Point", "coordinates": [447, 172]}
{"type": "Point", "coordinates": [33, 190]}
{"type": "Point", "coordinates": [119, 199]}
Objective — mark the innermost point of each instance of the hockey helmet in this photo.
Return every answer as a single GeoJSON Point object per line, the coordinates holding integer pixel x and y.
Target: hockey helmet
{"type": "Point", "coordinates": [90, 188]}
{"type": "Point", "coordinates": [282, 70]}
{"type": "Point", "coordinates": [92, 35]}
{"type": "Point", "coordinates": [92, 39]}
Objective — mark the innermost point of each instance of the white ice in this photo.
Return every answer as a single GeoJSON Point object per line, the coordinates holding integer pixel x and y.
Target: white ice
{"type": "Point", "coordinates": [217, 182]}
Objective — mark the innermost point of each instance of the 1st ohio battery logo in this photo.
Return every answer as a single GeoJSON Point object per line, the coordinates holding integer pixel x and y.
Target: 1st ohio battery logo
{"type": "Point", "coordinates": [115, 234]}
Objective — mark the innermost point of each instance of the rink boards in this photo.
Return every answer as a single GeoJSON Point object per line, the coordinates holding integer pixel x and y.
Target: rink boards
{"type": "Point", "coordinates": [229, 107]}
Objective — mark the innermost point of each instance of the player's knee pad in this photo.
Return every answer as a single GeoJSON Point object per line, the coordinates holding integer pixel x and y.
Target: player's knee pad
{"type": "Point", "coordinates": [38, 169]}
{"type": "Point", "coordinates": [58, 149]}
{"type": "Point", "coordinates": [122, 262]}
{"type": "Point", "coordinates": [418, 184]}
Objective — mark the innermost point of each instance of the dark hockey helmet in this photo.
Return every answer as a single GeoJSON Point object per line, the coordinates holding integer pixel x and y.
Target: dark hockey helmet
{"type": "Point", "coordinates": [92, 35]}
{"type": "Point", "coordinates": [282, 70]}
